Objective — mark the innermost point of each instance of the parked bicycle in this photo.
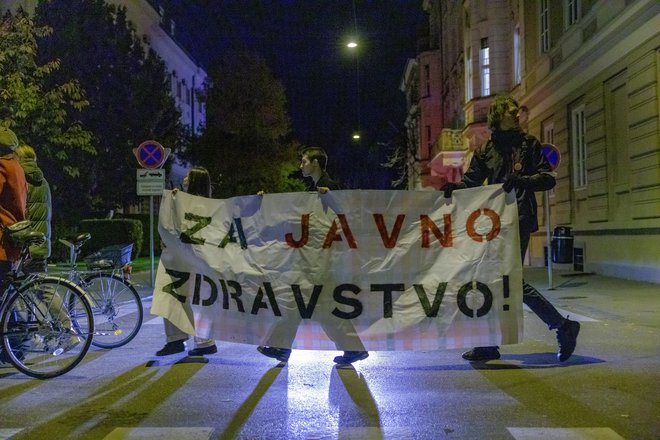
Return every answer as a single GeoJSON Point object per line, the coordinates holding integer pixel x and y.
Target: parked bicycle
{"type": "Point", "coordinates": [46, 322]}
{"type": "Point", "coordinates": [116, 304]}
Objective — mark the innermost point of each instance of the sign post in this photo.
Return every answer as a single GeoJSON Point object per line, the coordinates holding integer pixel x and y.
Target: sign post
{"type": "Point", "coordinates": [150, 181]}
{"type": "Point", "coordinates": [554, 157]}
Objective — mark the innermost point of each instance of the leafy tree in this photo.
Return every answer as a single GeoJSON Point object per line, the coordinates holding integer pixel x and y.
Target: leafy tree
{"type": "Point", "coordinates": [244, 144]}
{"type": "Point", "coordinates": [40, 109]}
{"type": "Point", "coordinates": [127, 86]}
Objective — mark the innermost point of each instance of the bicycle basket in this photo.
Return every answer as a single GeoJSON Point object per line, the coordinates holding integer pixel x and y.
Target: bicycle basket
{"type": "Point", "coordinates": [119, 255]}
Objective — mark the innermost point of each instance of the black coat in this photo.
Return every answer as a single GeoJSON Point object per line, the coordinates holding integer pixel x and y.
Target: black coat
{"type": "Point", "coordinates": [513, 153]}
{"type": "Point", "coordinates": [324, 180]}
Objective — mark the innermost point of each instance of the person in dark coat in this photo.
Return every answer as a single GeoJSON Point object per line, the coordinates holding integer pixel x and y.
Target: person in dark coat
{"type": "Point", "coordinates": [312, 165]}
{"type": "Point", "coordinates": [39, 206]}
{"type": "Point", "coordinates": [515, 159]}
{"type": "Point", "coordinates": [13, 196]}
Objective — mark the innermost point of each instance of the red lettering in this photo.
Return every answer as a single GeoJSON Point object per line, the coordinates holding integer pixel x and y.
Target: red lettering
{"type": "Point", "coordinates": [304, 236]}
{"type": "Point", "coordinates": [495, 228]}
{"type": "Point", "coordinates": [333, 235]}
{"type": "Point", "coordinates": [389, 240]}
{"type": "Point", "coordinates": [427, 225]}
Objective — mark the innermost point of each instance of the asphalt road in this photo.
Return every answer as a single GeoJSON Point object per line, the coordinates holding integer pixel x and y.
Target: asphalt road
{"type": "Point", "coordinates": [609, 389]}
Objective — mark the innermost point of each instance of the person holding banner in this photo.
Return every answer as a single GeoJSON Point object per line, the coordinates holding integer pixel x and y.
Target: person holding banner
{"type": "Point", "coordinates": [197, 183]}
{"type": "Point", "coordinates": [313, 167]}
{"type": "Point", "coordinates": [515, 159]}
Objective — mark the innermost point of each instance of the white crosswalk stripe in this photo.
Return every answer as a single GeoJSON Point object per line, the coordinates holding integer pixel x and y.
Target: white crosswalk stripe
{"type": "Point", "coordinates": [564, 434]}
{"type": "Point", "coordinates": [189, 433]}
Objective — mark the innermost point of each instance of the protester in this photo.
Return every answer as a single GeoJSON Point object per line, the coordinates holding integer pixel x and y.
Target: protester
{"type": "Point", "coordinates": [39, 207]}
{"type": "Point", "coordinates": [198, 183]}
{"type": "Point", "coordinates": [515, 159]}
{"type": "Point", "coordinates": [13, 196]}
{"type": "Point", "coordinates": [313, 167]}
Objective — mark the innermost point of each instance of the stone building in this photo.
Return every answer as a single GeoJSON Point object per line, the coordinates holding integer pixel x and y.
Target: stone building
{"type": "Point", "coordinates": [588, 74]}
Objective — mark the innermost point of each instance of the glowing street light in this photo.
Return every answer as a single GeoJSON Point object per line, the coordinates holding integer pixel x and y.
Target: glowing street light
{"type": "Point", "coordinates": [356, 136]}
{"type": "Point", "coordinates": [351, 44]}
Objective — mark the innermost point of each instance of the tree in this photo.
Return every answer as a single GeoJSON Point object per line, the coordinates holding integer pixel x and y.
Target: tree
{"type": "Point", "coordinates": [244, 144]}
{"type": "Point", "coordinates": [41, 110]}
{"type": "Point", "coordinates": [126, 84]}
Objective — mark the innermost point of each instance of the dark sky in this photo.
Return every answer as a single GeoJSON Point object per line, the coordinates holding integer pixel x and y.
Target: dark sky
{"type": "Point", "coordinates": [304, 42]}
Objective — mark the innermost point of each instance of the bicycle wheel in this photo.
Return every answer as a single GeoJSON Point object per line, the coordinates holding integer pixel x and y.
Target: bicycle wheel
{"type": "Point", "coordinates": [117, 309]}
{"type": "Point", "coordinates": [38, 334]}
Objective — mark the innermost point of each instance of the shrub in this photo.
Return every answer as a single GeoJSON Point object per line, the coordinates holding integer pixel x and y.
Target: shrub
{"type": "Point", "coordinates": [107, 232]}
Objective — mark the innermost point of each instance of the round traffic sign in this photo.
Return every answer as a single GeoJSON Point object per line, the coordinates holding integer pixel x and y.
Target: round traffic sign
{"type": "Point", "coordinates": [150, 154]}
{"type": "Point", "coordinates": [552, 154]}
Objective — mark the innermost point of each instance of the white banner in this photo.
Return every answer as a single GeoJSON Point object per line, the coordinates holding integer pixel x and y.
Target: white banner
{"type": "Point", "coordinates": [346, 270]}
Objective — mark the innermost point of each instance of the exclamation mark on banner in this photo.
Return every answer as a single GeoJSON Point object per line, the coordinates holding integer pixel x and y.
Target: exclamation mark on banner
{"type": "Point", "coordinates": [505, 288]}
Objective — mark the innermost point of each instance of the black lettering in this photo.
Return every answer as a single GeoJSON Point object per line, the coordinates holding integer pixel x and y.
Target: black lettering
{"type": "Point", "coordinates": [306, 311]}
{"type": "Point", "coordinates": [387, 290]}
{"type": "Point", "coordinates": [353, 302]}
{"type": "Point", "coordinates": [431, 311]}
{"type": "Point", "coordinates": [260, 304]}
{"type": "Point", "coordinates": [187, 235]}
{"type": "Point", "coordinates": [198, 285]}
{"type": "Point", "coordinates": [462, 303]}
{"type": "Point", "coordinates": [235, 228]}
{"type": "Point", "coordinates": [181, 279]}
{"type": "Point", "coordinates": [236, 295]}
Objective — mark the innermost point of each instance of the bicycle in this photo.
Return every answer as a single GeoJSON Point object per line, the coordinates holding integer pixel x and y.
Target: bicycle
{"type": "Point", "coordinates": [116, 304]}
{"type": "Point", "coordinates": [46, 322]}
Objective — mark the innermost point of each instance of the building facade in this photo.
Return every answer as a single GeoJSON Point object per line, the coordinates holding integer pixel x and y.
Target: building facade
{"type": "Point", "coordinates": [588, 74]}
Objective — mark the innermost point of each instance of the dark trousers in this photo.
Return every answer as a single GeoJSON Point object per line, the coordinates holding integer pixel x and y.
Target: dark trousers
{"type": "Point", "coordinates": [533, 298]}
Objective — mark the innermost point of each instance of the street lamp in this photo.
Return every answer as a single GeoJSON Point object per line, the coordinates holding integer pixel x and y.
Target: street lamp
{"type": "Point", "coordinates": [351, 44]}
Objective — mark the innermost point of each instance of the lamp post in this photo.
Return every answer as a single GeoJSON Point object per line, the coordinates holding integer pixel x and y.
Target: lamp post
{"type": "Point", "coordinates": [353, 46]}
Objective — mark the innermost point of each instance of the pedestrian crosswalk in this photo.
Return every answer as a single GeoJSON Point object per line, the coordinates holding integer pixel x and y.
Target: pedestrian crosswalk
{"type": "Point", "coordinates": [366, 433]}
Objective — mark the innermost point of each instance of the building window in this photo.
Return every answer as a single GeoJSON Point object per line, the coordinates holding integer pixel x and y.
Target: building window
{"type": "Point", "coordinates": [484, 61]}
{"type": "Point", "coordinates": [427, 79]}
{"type": "Point", "coordinates": [548, 132]}
{"type": "Point", "coordinates": [468, 75]}
{"type": "Point", "coordinates": [517, 56]}
{"type": "Point", "coordinates": [572, 12]}
{"type": "Point", "coordinates": [579, 147]}
{"type": "Point", "coordinates": [544, 28]}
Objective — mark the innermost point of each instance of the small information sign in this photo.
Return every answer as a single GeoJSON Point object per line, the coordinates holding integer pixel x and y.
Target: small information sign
{"type": "Point", "coordinates": [150, 182]}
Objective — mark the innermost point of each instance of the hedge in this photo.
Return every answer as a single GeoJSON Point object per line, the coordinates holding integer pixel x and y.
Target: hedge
{"type": "Point", "coordinates": [108, 232]}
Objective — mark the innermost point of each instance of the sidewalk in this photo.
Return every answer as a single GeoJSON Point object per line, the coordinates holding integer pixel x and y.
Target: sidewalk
{"type": "Point", "coordinates": [593, 294]}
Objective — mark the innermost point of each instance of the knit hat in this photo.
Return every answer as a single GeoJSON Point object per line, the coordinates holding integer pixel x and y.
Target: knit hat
{"type": "Point", "coordinates": [8, 138]}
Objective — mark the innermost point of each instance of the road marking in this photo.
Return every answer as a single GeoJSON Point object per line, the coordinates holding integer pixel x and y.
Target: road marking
{"type": "Point", "coordinates": [191, 433]}
{"type": "Point", "coordinates": [564, 434]}
{"type": "Point", "coordinates": [7, 433]}
{"type": "Point", "coordinates": [367, 432]}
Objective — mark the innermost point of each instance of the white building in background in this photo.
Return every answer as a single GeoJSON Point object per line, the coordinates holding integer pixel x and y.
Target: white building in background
{"type": "Point", "coordinates": [185, 74]}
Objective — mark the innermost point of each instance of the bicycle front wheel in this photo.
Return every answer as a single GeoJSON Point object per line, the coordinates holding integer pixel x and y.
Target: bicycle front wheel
{"type": "Point", "coordinates": [38, 334]}
{"type": "Point", "coordinates": [117, 309]}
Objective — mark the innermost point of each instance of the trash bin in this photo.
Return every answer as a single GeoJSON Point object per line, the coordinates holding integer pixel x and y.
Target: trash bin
{"type": "Point", "coordinates": [562, 245]}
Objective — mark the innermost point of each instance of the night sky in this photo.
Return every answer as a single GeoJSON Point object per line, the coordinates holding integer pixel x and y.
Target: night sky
{"type": "Point", "coordinates": [304, 42]}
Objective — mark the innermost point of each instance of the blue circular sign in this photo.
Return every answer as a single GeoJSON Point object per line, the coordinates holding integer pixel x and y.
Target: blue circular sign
{"type": "Point", "coordinates": [150, 154]}
{"type": "Point", "coordinates": [552, 154]}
